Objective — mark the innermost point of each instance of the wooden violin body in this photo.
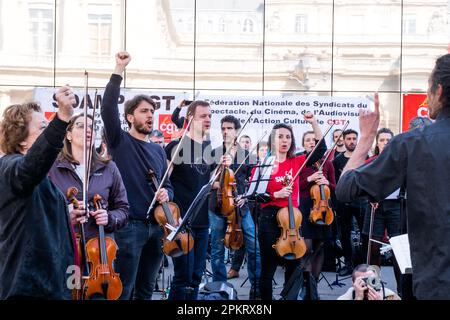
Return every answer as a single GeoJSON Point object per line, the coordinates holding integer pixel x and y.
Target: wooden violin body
{"type": "Point", "coordinates": [321, 212]}
{"type": "Point", "coordinates": [102, 279]}
{"type": "Point", "coordinates": [101, 252]}
{"type": "Point", "coordinates": [290, 245]}
{"type": "Point", "coordinates": [234, 236]}
{"type": "Point", "coordinates": [169, 213]}
{"type": "Point", "coordinates": [225, 198]}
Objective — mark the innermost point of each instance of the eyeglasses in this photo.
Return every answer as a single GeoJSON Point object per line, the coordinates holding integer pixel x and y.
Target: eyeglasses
{"type": "Point", "coordinates": [80, 125]}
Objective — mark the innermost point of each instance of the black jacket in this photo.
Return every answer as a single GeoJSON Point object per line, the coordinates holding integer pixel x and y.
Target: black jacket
{"type": "Point", "coordinates": [419, 160]}
{"type": "Point", "coordinates": [176, 119]}
{"type": "Point", "coordinates": [36, 246]}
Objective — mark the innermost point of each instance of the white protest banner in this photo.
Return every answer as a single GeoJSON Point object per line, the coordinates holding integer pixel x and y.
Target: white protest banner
{"type": "Point", "coordinates": [166, 103]}
{"type": "Point", "coordinates": [267, 111]}
{"type": "Point", "coordinates": [271, 110]}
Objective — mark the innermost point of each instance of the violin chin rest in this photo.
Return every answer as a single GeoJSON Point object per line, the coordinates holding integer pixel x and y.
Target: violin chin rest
{"type": "Point", "coordinates": [289, 256]}
{"type": "Point", "coordinates": [320, 223]}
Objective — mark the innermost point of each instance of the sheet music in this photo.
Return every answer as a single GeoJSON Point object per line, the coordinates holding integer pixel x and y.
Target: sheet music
{"type": "Point", "coordinates": [262, 174]}
{"type": "Point", "coordinates": [400, 246]}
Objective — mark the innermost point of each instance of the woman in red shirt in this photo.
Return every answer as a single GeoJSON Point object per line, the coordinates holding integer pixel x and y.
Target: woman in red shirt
{"type": "Point", "coordinates": [286, 164]}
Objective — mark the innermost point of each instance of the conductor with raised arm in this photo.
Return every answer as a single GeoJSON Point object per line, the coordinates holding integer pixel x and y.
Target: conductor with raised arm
{"type": "Point", "coordinates": [417, 159]}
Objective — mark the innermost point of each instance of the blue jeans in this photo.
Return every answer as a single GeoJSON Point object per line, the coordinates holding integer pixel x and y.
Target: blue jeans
{"type": "Point", "coordinates": [139, 258]}
{"type": "Point", "coordinates": [189, 268]}
{"type": "Point", "coordinates": [218, 227]}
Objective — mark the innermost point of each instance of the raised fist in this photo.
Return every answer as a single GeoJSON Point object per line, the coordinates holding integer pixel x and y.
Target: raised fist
{"type": "Point", "coordinates": [66, 101]}
{"type": "Point", "coordinates": [123, 58]}
{"type": "Point", "coordinates": [309, 117]}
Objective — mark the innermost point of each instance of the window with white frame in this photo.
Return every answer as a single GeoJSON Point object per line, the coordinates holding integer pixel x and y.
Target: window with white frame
{"type": "Point", "coordinates": [409, 24]}
{"type": "Point", "coordinates": [41, 28]}
{"type": "Point", "coordinates": [248, 26]}
{"type": "Point", "coordinates": [301, 23]}
{"type": "Point", "coordinates": [100, 30]}
{"type": "Point", "coordinates": [222, 25]}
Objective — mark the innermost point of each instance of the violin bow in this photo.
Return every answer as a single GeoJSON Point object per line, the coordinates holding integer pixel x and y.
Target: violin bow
{"type": "Point", "coordinates": [88, 150]}
{"type": "Point", "coordinates": [238, 134]}
{"type": "Point", "coordinates": [92, 140]}
{"type": "Point", "coordinates": [228, 150]}
{"type": "Point", "coordinates": [309, 156]}
{"type": "Point", "coordinates": [334, 146]}
{"type": "Point", "coordinates": [169, 166]}
{"type": "Point", "coordinates": [85, 154]}
{"type": "Point", "coordinates": [251, 151]}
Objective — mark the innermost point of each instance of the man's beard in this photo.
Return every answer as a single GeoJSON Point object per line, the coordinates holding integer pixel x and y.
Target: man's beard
{"type": "Point", "coordinates": [351, 147]}
{"type": "Point", "coordinates": [141, 128]}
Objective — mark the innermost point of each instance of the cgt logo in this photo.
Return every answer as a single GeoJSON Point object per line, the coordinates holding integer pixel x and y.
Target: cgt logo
{"type": "Point", "coordinates": [49, 115]}
{"type": "Point", "coordinates": [167, 127]}
{"type": "Point", "coordinates": [422, 111]}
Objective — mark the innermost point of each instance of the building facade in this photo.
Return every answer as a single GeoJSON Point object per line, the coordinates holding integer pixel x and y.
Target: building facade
{"type": "Point", "coordinates": [226, 47]}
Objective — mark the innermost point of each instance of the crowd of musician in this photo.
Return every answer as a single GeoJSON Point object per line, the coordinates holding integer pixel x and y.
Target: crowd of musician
{"type": "Point", "coordinates": [109, 210]}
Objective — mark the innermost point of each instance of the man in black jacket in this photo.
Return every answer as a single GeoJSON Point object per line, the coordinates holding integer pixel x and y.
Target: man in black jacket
{"type": "Point", "coordinates": [417, 159]}
{"type": "Point", "coordinates": [36, 243]}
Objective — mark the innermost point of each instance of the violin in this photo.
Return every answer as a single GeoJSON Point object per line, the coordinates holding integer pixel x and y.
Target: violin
{"type": "Point", "coordinates": [234, 236]}
{"type": "Point", "coordinates": [225, 198]}
{"type": "Point", "coordinates": [79, 294]}
{"type": "Point", "coordinates": [101, 252]}
{"type": "Point", "coordinates": [321, 212]}
{"type": "Point", "coordinates": [290, 245]}
{"type": "Point", "coordinates": [167, 214]}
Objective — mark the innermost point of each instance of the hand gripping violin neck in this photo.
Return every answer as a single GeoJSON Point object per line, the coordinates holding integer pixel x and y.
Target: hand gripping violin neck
{"type": "Point", "coordinates": [167, 214]}
{"type": "Point", "coordinates": [101, 252]}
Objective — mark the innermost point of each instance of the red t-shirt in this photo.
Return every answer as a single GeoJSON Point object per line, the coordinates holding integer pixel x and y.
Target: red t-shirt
{"type": "Point", "coordinates": [280, 170]}
{"type": "Point", "coordinates": [370, 159]}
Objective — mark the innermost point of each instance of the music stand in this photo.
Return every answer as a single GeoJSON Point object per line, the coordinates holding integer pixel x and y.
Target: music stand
{"type": "Point", "coordinates": [335, 237]}
{"type": "Point", "coordinates": [322, 276]}
{"type": "Point", "coordinates": [256, 193]}
{"type": "Point", "coordinates": [336, 282]}
{"type": "Point", "coordinates": [192, 212]}
{"type": "Point", "coordinates": [190, 216]}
